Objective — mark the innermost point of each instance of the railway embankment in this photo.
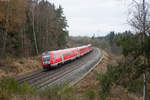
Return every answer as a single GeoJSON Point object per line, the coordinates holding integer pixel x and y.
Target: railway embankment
{"type": "Point", "coordinates": [69, 73]}
{"type": "Point", "coordinates": [89, 86]}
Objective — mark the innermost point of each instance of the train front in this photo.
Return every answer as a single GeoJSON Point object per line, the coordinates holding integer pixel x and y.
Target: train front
{"type": "Point", "coordinates": [45, 59]}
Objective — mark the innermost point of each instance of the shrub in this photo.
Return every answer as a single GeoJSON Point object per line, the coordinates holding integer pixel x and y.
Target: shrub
{"type": "Point", "coordinates": [90, 94]}
{"type": "Point", "coordinates": [9, 86]}
{"type": "Point", "coordinates": [107, 79]}
{"type": "Point", "coordinates": [61, 92]}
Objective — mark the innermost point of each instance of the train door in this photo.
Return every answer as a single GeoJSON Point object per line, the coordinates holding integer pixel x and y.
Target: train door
{"type": "Point", "coordinates": [59, 58]}
{"type": "Point", "coordinates": [78, 52]}
{"type": "Point", "coordinates": [54, 58]}
{"type": "Point", "coordinates": [62, 58]}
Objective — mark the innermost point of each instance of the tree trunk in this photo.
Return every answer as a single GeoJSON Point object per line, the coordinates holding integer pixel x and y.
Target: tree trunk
{"type": "Point", "coordinates": [4, 44]}
{"type": "Point", "coordinates": [145, 88]}
{"type": "Point", "coordinates": [35, 41]}
{"type": "Point", "coordinates": [143, 40]}
{"type": "Point", "coordinates": [6, 33]}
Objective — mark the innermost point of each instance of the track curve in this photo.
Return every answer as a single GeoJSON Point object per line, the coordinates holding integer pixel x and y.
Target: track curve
{"type": "Point", "coordinates": [68, 72]}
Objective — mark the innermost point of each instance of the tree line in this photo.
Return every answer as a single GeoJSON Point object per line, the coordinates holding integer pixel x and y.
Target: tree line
{"type": "Point", "coordinates": [30, 27]}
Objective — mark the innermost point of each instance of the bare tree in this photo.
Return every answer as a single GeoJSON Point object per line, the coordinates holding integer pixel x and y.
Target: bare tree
{"type": "Point", "coordinates": [140, 17]}
{"type": "Point", "coordinates": [140, 20]}
{"type": "Point", "coordinates": [6, 30]}
{"type": "Point", "coordinates": [35, 41]}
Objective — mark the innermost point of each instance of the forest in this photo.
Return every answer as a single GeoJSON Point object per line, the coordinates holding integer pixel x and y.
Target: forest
{"type": "Point", "coordinates": [30, 27]}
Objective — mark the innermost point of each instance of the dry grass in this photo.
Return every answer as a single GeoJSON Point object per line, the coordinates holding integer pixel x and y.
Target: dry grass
{"type": "Point", "coordinates": [29, 97]}
{"type": "Point", "coordinates": [90, 82]}
{"type": "Point", "coordinates": [11, 90]}
{"type": "Point", "coordinates": [14, 67]}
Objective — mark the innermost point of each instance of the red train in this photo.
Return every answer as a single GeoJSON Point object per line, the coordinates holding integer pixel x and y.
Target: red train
{"type": "Point", "coordinates": [58, 57]}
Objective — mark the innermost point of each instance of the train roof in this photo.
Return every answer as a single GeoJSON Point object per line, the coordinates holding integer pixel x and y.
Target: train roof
{"type": "Point", "coordinates": [63, 50]}
{"type": "Point", "coordinates": [46, 52]}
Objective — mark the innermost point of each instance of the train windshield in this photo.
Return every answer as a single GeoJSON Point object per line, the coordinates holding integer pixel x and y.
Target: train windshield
{"type": "Point", "coordinates": [46, 57]}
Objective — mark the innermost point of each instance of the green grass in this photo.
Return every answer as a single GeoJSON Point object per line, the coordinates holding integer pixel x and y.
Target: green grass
{"type": "Point", "coordinates": [61, 92]}
{"type": "Point", "coordinates": [9, 87]}
{"type": "Point", "coordinates": [90, 94]}
{"type": "Point", "coordinates": [69, 93]}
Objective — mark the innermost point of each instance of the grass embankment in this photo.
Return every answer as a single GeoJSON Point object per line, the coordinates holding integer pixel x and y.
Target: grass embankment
{"type": "Point", "coordinates": [11, 90]}
{"type": "Point", "coordinates": [90, 87]}
{"type": "Point", "coordinates": [14, 67]}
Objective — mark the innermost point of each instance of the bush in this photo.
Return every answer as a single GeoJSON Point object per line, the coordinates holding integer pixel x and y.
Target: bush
{"type": "Point", "coordinates": [107, 79]}
{"type": "Point", "coordinates": [61, 92]}
{"type": "Point", "coordinates": [8, 87]}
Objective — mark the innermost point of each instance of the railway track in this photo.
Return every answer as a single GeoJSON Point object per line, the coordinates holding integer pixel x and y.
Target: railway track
{"type": "Point", "coordinates": [43, 78]}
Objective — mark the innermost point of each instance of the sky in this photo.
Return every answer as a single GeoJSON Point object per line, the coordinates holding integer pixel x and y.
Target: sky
{"type": "Point", "coordinates": [99, 17]}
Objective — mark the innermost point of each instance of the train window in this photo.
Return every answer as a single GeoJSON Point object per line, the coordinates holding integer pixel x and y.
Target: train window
{"type": "Point", "coordinates": [57, 56]}
{"type": "Point", "coordinates": [46, 58]}
{"type": "Point", "coordinates": [82, 49]}
{"type": "Point", "coordinates": [53, 56]}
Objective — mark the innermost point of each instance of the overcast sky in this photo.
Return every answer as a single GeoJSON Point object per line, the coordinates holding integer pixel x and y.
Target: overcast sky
{"type": "Point", "coordinates": [86, 17]}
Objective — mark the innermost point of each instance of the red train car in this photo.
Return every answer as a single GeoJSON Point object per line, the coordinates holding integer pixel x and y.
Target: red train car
{"type": "Point", "coordinates": [58, 57]}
